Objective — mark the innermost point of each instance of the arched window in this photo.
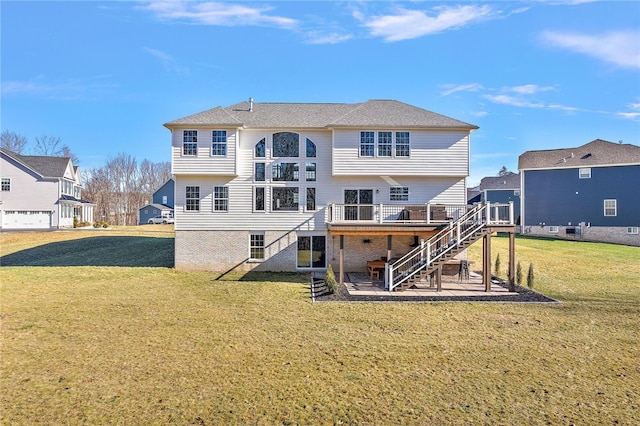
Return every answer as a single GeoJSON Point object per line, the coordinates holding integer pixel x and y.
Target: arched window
{"type": "Point", "coordinates": [311, 148]}
{"type": "Point", "coordinates": [260, 149]}
{"type": "Point", "coordinates": [286, 144]}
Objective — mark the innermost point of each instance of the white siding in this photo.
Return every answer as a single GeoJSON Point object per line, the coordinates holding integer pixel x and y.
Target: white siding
{"type": "Point", "coordinates": [28, 192]}
{"type": "Point", "coordinates": [203, 163]}
{"type": "Point", "coordinates": [329, 189]}
{"type": "Point", "coordinates": [433, 153]}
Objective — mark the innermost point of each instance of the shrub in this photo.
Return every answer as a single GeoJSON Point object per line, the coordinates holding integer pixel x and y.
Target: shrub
{"type": "Point", "coordinates": [530, 276]}
{"type": "Point", "coordinates": [101, 224]}
{"type": "Point", "coordinates": [497, 265]}
{"type": "Point", "coordinates": [519, 273]}
{"type": "Point", "coordinates": [75, 221]}
{"type": "Point", "coordinates": [330, 280]}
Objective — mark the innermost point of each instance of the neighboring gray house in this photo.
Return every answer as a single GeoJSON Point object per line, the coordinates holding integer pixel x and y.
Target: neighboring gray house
{"type": "Point", "coordinates": [40, 192]}
{"type": "Point", "coordinates": [298, 186]}
{"type": "Point", "coordinates": [590, 192]}
{"type": "Point", "coordinates": [502, 189]}
{"type": "Point", "coordinates": [161, 204]}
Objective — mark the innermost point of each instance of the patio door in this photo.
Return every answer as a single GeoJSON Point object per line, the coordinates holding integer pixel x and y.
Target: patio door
{"type": "Point", "coordinates": [358, 204]}
{"type": "Point", "coordinates": [312, 251]}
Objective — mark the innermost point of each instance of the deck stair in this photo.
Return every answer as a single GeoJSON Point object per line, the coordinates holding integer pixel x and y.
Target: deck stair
{"type": "Point", "coordinates": [432, 254]}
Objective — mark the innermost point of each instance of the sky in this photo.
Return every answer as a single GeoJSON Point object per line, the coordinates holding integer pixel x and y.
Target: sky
{"type": "Point", "coordinates": [105, 76]}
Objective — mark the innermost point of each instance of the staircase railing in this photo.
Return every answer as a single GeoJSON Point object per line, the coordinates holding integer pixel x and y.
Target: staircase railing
{"type": "Point", "coordinates": [448, 239]}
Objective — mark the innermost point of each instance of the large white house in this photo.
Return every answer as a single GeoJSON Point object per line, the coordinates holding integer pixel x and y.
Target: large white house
{"type": "Point", "coordinates": [289, 186]}
{"type": "Point", "coordinates": [40, 192]}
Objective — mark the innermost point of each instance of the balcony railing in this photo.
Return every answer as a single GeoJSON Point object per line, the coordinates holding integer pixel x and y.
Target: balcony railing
{"type": "Point", "coordinates": [429, 213]}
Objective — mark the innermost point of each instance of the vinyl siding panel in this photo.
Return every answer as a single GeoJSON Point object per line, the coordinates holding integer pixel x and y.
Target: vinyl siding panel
{"type": "Point", "coordinates": [203, 162]}
{"type": "Point", "coordinates": [432, 153]}
{"type": "Point", "coordinates": [559, 197]}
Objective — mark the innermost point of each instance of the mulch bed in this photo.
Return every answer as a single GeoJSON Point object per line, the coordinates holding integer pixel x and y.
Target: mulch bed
{"type": "Point", "coordinates": [525, 295]}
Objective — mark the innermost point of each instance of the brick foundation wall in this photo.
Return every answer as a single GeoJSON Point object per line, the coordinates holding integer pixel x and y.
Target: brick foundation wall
{"type": "Point", "coordinates": [614, 235]}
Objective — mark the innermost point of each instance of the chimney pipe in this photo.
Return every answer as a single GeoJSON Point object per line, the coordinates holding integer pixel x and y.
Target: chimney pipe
{"type": "Point", "coordinates": [250, 104]}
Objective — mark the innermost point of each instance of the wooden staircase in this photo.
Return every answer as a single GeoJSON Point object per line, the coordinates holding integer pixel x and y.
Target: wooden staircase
{"type": "Point", "coordinates": [432, 254]}
{"type": "Point", "coordinates": [433, 266]}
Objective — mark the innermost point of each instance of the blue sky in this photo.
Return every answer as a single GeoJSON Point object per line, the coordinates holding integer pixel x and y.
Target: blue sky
{"type": "Point", "coordinates": [105, 76]}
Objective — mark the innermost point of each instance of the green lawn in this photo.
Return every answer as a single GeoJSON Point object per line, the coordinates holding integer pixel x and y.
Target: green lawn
{"type": "Point", "coordinates": [85, 341]}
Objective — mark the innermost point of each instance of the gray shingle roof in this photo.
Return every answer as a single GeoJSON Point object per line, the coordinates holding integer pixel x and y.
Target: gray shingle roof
{"type": "Point", "coordinates": [595, 153]}
{"type": "Point", "coordinates": [510, 181]}
{"type": "Point", "coordinates": [373, 113]}
{"type": "Point", "coordinates": [53, 167]}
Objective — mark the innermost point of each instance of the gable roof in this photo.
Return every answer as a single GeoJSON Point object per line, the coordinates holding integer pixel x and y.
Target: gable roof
{"type": "Point", "coordinates": [45, 166]}
{"type": "Point", "coordinates": [508, 181]}
{"type": "Point", "coordinates": [595, 153]}
{"type": "Point", "coordinates": [373, 113]}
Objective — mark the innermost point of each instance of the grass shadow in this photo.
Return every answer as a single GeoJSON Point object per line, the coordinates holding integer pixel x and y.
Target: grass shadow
{"type": "Point", "coordinates": [97, 251]}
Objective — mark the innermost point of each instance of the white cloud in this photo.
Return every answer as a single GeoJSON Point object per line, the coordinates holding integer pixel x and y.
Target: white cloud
{"type": "Point", "coordinates": [450, 89]}
{"type": "Point", "coordinates": [314, 37]}
{"type": "Point", "coordinates": [621, 48]}
{"type": "Point", "coordinates": [517, 101]}
{"type": "Point", "coordinates": [167, 60]}
{"type": "Point", "coordinates": [218, 13]}
{"type": "Point", "coordinates": [408, 24]}
{"type": "Point", "coordinates": [72, 89]}
{"type": "Point", "coordinates": [634, 114]}
{"type": "Point", "coordinates": [530, 89]}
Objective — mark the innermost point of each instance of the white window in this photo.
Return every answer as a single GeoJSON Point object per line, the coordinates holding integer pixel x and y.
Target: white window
{"type": "Point", "coordinates": [633, 230]}
{"type": "Point", "coordinates": [311, 149]}
{"type": "Point", "coordinates": [192, 198]}
{"type": "Point", "coordinates": [610, 208]}
{"type": "Point", "coordinates": [311, 199]}
{"type": "Point", "coordinates": [256, 246]}
{"type": "Point", "coordinates": [220, 198]}
{"type": "Point", "coordinates": [258, 199]}
{"type": "Point", "coordinates": [367, 143]}
{"type": "Point", "coordinates": [402, 144]}
{"type": "Point", "coordinates": [164, 199]}
{"type": "Point", "coordinates": [384, 144]}
{"type": "Point", "coordinates": [584, 173]}
{"type": "Point", "coordinates": [189, 142]}
{"type": "Point", "coordinates": [399, 193]}
{"type": "Point", "coordinates": [5, 184]}
{"type": "Point", "coordinates": [261, 149]}
{"type": "Point", "coordinates": [310, 174]}
{"type": "Point", "coordinates": [286, 144]}
{"type": "Point", "coordinates": [259, 172]}
{"type": "Point", "coordinates": [285, 199]}
{"type": "Point", "coordinates": [553, 229]}
{"type": "Point", "coordinates": [285, 172]}
{"type": "Point", "coordinates": [219, 142]}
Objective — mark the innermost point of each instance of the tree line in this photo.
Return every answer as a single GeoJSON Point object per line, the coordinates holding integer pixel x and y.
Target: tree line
{"type": "Point", "coordinates": [118, 188]}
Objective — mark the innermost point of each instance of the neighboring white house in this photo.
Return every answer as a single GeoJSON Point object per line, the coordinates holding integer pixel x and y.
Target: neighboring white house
{"type": "Point", "coordinates": [39, 192]}
{"type": "Point", "coordinates": [286, 186]}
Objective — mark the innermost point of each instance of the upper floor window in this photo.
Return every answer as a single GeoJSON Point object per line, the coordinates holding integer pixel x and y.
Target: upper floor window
{"type": "Point", "coordinates": [311, 199]}
{"type": "Point", "coordinates": [384, 144]}
{"type": "Point", "coordinates": [286, 144]}
{"type": "Point", "coordinates": [367, 144]}
{"type": "Point", "coordinates": [311, 148]}
{"type": "Point", "coordinates": [610, 208]}
{"type": "Point", "coordinates": [258, 199]}
{"type": "Point", "coordinates": [584, 173]}
{"type": "Point", "coordinates": [402, 144]}
{"type": "Point", "coordinates": [399, 193]}
{"type": "Point", "coordinates": [288, 172]}
{"type": "Point", "coordinates": [5, 184]}
{"type": "Point", "coordinates": [259, 174]}
{"type": "Point", "coordinates": [189, 142]}
{"type": "Point", "coordinates": [261, 149]}
{"type": "Point", "coordinates": [310, 175]}
{"type": "Point", "coordinates": [219, 142]}
{"type": "Point", "coordinates": [192, 198]}
{"type": "Point", "coordinates": [221, 198]}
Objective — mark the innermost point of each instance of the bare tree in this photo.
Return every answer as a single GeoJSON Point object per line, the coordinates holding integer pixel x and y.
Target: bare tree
{"type": "Point", "coordinates": [52, 146]}
{"type": "Point", "coordinates": [13, 141]}
{"type": "Point", "coordinates": [504, 171]}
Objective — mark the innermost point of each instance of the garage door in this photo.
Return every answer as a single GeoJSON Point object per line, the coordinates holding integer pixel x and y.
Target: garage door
{"type": "Point", "coordinates": [21, 219]}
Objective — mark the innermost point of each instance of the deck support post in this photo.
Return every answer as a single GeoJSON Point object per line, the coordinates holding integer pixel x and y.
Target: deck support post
{"type": "Point", "coordinates": [512, 260]}
{"type": "Point", "coordinates": [389, 246]}
{"type": "Point", "coordinates": [439, 279]}
{"type": "Point", "coordinates": [486, 262]}
{"type": "Point", "coordinates": [341, 259]}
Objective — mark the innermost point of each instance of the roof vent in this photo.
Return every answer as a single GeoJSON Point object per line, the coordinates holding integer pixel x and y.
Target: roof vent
{"type": "Point", "coordinates": [250, 104]}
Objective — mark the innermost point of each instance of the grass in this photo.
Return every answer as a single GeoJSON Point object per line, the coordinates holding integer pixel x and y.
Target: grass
{"type": "Point", "coordinates": [145, 344]}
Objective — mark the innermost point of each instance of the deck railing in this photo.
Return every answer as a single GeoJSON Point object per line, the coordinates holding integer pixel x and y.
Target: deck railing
{"type": "Point", "coordinates": [429, 213]}
{"type": "Point", "coordinates": [448, 239]}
